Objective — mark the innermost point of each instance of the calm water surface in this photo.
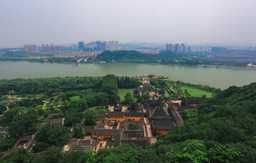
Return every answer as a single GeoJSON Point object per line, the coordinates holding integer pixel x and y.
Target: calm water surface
{"type": "Point", "coordinates": [221, 77]}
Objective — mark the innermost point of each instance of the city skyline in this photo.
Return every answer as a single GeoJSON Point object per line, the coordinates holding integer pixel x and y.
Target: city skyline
{"type": "Point", "coordinates": [64, 22]}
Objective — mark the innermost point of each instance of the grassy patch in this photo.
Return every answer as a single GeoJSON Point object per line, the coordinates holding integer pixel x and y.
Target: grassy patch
{"type": "Point", "coordinates": [196, 92]}
{"type": "Point", "coordinates": [123, 92]}
{"type": "Point", "coordinates": [74, 98]}
{"type": "Point", "coordinates": [133, 126]}
{"type": "Point", "coordinates": [97, 110]}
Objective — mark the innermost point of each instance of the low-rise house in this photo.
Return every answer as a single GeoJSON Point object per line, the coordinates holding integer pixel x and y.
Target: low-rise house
{"type": "Point", "coordinates": [192, 101]}
{"type": "Point", "coordinates": [176, 103]}
{"type": "Point", "coordinates": [137, 92]}
{"type": "Point", "coordinates": [111, 108]}
{"type": "Point", "coordinates": [145, 81]}
{"type": "Point", "coordinates": [118, 108]}
{"type": "Point", "coordinates": [80, 145]}
{"type": "Point", "coordinates": [133, 132]}
{"type": "Point", "coordinates": [110, 137]}
{"type": "Point", "coordinates": [161, 92]}
{"type": "Point", "coordinates": [162, 125]}
{"type": "Point", "coordinates": [150, 107]}
{"type": "Point", "coordinates": [135, 107]}
{"type": "Point", "coordinates": [26, 142]}
{"type": "Point", "coordinates": [162, 121]}
{"type": "Point", "coordinates": [174, 112]}
{"type": "Point", "coordinates": [102, 133]}
{"type": "Point", "coordinates": [123, 116]}
{"type": "Point", "coordinates": [56, 119]}
{"type": "Point", "coordinates": [153, 93]}
{"type": "Point", "coordinates": [133, 129]}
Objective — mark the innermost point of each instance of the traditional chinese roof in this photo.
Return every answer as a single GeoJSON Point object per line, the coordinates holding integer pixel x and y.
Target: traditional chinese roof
{"type": "Point", "coordinates": [160, 112]}
{"type": "Point", "coordinates": [103, 132]}
{"type": "Point", "coordinates": [162, 118]}
{"type": "Point", "coordinates": [80, 144]}
{"type": "Point", "coordinates": [25, 142]}
{"type": "Point", "coordinates": [127, 114]}
{"type": "Point", "coordinates": [163, 123]}
{"type": "Point", "coordinates": [189, 101]}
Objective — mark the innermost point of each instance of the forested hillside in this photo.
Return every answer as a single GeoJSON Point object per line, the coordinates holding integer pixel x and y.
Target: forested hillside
{"type": "Point", "coordinates": [223, 131]}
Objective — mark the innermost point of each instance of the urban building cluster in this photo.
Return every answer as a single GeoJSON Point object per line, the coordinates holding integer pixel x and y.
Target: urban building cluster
{"type": "Point", "coordinates": [98, 46]}
{"type": "Point", "coordinates": [81, 46]}
{"type": "Point", "coordinates": [81, 52]}
{"type": "Point", "coordinates": [50, 48]}
{"type": "Point", "coordinates": [178, 48]}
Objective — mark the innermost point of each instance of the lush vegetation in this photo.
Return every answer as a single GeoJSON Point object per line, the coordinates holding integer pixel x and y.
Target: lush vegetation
{"type": "Point", "coordinates": [166, 57]}
{"type": "Point", "coordinates": [222, 129]}
{"type": "Point", "coordinates": [163, 57]}
{"type": "Point", "coordinates": [27, 105]}
{"type": "Point", "coordinates": [133, 126]}
{"type": "Point", "coordinates": [123, 92]}
{"type": "Point", "coordinates": [196, 92]}
{"type": "Point", "coordinates": [224, 126]}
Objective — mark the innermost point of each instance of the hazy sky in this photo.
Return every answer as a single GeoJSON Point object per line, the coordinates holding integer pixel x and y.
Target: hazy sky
{"type": "Point", "coordinates": [68, 21]}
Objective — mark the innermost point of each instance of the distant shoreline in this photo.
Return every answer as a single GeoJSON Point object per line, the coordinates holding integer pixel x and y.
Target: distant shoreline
{"type": "Point", "coordinates": [71, 61]}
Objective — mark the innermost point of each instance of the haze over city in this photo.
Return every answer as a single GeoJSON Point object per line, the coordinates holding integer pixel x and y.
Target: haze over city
{"type": "Point", "coordinates": [64, 21]}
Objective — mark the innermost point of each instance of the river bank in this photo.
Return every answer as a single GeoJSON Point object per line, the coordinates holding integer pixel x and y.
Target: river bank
{"type": "Point", "coordinates": [218, 77]}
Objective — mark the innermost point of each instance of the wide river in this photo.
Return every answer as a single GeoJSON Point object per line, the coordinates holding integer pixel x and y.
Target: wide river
{"type": "Point", "coordinates": [221, 77]}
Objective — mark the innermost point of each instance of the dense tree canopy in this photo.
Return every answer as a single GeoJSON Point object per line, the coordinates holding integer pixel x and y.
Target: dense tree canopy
{"type": "Point", "coordinates": [51, 135]}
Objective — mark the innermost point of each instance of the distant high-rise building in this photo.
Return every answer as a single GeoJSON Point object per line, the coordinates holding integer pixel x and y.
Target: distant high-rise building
{"type": "Point", "coordinates": [81, 46]}
{"type": "Point", "coordinates": [49, 48]}
{"type": "Point", "coordinates": [188, 49]}
{"type": "Point", "coordinates": [170, 47]}
{"type": "Point", "coordinates": [177, 48]}
{"type": "Point", "coordinates": [111, 45]}
{"type": "Point", "coordinates": [182, 48]}
{"type": "Point", "coordinates": [102, 45]}
{"type": "Point", "coordinates": [31, 48]}
{"type": "Point", "coordinates": [96, 46]}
